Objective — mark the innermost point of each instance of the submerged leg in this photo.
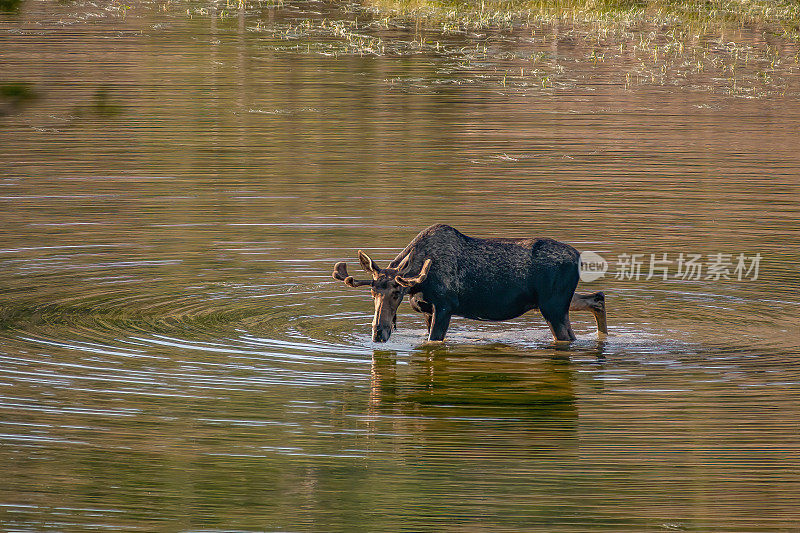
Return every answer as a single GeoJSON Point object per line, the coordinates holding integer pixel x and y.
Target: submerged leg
{"type": "Point", "coordinates": [440, 323]}
{"type": "Point", "coordinates": [561, 329]}
{"type": "Point", "coordinates": [428, 320]}
{"type": "Point", "coordinates": [555, 310]}
{"type": "Point", "coordinates": [594, 303]}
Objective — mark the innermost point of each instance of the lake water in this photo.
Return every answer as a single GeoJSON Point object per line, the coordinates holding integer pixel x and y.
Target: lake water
{"type": "Point", "coordinates": [174, 355]}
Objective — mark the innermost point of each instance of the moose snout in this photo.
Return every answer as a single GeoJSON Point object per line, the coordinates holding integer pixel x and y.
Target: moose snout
{"type": "Point", "coordinates": [381, 333]}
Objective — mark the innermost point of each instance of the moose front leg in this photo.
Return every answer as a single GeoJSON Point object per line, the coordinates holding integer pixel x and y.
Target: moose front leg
{"type": "Point", "coordinates": [561, 328]}
{"type": "Point", "coordinates": [440, 323]}
{"type": "Point", "coordinates": [421, 306]}
{"type": "Point", "coordinates": [594, 303]}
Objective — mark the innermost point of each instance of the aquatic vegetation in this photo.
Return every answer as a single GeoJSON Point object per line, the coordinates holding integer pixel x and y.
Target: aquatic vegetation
{"type": "Point", "coordinates": [742, 47]}
{"type": "Point", "coordinates": [14, 96]}
{"type": "Point", "coordinates": [702, 16]}
{"type": "Point", "coordinates": [10, 6]}
{"type": "Point", "coordinates": [746, 49]}
{"type": "Point", "coordinates": [736, 47]}
{"type": "Point", "coordinates": [17, 92]}
{"type": "Point", "coordinates": [102, 106]}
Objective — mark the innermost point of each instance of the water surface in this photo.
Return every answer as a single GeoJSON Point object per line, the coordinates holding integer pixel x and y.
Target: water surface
{"type": "Point", "coordinates": [175, 356]}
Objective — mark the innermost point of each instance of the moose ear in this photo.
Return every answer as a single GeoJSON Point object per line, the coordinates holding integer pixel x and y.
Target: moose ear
{"type": "Point", "coordinates": [422, 276]}
{"type": "Point", "coordinates": [367, 263]}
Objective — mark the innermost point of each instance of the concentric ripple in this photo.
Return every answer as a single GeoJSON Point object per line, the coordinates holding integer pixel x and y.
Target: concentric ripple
{"type": "Point", "coordinates": [175, 356]}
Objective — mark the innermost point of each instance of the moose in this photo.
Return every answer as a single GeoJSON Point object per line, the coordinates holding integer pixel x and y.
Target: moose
{"type": "Point", "coordinates": [446, 273]}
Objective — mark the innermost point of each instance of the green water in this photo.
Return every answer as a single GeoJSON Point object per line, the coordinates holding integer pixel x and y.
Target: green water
{"type": "Point", "coordinates": [174, 355]}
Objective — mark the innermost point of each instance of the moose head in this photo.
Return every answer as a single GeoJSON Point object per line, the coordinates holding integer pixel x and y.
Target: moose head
{"type": "Point", "coordinates": [388, 285]}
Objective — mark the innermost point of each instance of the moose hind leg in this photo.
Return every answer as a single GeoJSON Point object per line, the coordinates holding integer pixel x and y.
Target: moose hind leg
{"type": "Point", "coordinates": [594, 303]}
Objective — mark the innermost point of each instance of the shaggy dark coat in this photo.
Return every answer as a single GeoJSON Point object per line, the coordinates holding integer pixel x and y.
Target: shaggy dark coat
{"type": "Point", "coordinates": [491, 279]}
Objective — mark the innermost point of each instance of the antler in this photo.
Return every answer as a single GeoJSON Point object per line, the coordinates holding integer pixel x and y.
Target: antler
{"type": "Point", "coordinates": [340, 273]}
{"type": "Point", "coordinates": [423, 274]}
{"type": "Point", "coordinates": [402, 267]}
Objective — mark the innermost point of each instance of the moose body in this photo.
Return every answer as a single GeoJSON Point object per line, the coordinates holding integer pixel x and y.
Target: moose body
{"type": "Point", "coordinates": [446, 273]}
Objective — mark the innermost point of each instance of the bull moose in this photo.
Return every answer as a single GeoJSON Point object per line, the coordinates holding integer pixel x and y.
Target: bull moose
{"type": "Point", "coordinates": [446, 273]}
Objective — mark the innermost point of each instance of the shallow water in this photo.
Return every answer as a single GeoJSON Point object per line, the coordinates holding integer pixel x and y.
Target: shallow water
{"type": "Point", "coordinates": [175, 356]}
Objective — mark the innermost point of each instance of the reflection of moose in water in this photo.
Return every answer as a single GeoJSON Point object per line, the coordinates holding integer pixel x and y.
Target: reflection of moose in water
{"type": "Point", "coordinates": [446, 273]}
{"type": "Point", "coordinates": [469, 417]}
{"type": "Point", "coordinates": [489, 376]}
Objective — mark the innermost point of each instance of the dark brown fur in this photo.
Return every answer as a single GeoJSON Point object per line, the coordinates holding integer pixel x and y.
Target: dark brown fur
{"type": "Point", "coordinates": [447, 273]}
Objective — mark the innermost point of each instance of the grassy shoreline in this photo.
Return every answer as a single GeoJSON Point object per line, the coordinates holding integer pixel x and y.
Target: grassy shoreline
{"type": "Point", "coordinates": [778, 17]}
{"type": "Point", "coordinates": [744, 48]}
